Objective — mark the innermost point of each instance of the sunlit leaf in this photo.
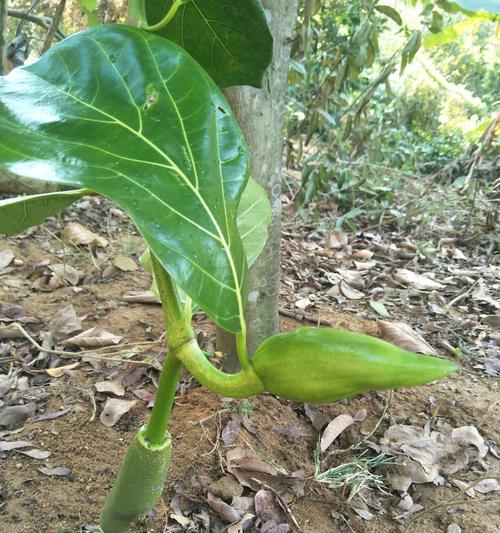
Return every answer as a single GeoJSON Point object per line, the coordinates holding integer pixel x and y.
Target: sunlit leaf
{"type": "Point", "coordinates": [449, 34]}
{"type": "Point", "coordinates": [254, 215]}
{"type": "Point", "coordinates": [133, 117]}
{"type": "Point", "coordinates": [390, 12]}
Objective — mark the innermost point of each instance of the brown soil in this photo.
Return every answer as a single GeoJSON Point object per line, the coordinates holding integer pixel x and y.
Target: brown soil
{"type": "Point", "coordinates": [31, 502]}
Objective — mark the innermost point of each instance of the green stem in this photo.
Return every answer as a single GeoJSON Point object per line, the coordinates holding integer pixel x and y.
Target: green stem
{"type": "Point", "coordinates": [156, 428]}
{"type": "Point", "coordinates": [167, 18]}
{"type": "Point", "coordinates": [241, 349]}
{"type": "Point", "coordinates": [179, 332]}
{"type": "Point", "coordinates": [241, 385]}
{"type": "Point", "coordinates": [178, 326]}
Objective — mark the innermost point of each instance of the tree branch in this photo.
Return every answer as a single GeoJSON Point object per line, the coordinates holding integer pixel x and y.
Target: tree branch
{"type": "Point", "coordinates": [44, 22]}
{"type": "Point", "coordinates": [54, 26]}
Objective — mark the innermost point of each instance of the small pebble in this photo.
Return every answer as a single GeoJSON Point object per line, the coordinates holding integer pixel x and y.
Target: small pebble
{"type": "Point", "coordinates": [454, 528]}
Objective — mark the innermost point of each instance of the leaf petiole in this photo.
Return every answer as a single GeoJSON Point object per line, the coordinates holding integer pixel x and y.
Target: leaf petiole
{"type": "Point", "coordinates": [167, 18]}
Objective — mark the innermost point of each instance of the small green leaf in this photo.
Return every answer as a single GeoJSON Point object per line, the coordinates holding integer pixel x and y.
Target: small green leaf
{"type": "Point", "coordinates": [379, 308]}
{"type": "Point", "coordinates": [390, 12]}
{"type": "Point", "coordinates": [410, 49]}
{"type": "Point", "coordinates": [230, 38]}
{"type": "Point", "coordinates": [437, 22]}
{"type": "Point", "coordinates": [18, 214]}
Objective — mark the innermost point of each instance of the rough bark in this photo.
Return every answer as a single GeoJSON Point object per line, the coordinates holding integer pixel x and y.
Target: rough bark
{"type": "Point", "coordinates": [260, 113]}
{"type": "Point", "coordinates": [3, 37]}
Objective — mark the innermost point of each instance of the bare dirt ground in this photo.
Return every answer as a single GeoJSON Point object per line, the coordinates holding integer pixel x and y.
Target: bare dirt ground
{"type": "Point", "coordinates": [74, 456]}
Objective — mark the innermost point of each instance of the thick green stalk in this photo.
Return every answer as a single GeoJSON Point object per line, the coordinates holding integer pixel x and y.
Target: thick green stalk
{"type": "Point", "coordinates": [139, 484]}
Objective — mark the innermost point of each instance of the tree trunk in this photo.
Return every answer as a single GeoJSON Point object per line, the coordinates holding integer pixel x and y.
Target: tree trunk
{"type": "Point", "coordinates": [11, 184]}
{"type": "Point", "coordinates": [260, 113]}
{"type": "Point", "coordinates": [3, 37]}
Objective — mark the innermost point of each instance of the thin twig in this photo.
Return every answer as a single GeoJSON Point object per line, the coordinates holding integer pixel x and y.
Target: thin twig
{"type": "Point", "coordinates": [462, 295]}
{"type": "Point", "coordinates": [301, 316]}
{"type": "Point", "coordinates": [90, 354]}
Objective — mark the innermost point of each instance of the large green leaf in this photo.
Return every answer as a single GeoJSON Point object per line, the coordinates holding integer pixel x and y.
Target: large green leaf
{"type": "Point", "coordinates": [229, 38]}
{"type": "Point", "coordinates": [18, 214]}
{"type": "Point", "coordinates": [133, 117]}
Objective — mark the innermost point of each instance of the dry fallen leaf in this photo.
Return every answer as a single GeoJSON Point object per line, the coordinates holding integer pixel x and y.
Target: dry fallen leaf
{"type": "Point", "coordinates": [5, 384]}
{"type": "Point", "coordinates": [352, 277]}
{"type": "Point", "coordinates": [59, 371]}
{"type": "Point", "coordinates": [93, 338]}
{"type": "Point", "coordinates": [6, 258]}
{"type": "Point", "coordinates": [146, 396]}
{"type": "Point", "coordinates": [303, 303]}
{"type": "Point", "coordinates": [65, 322]}
{"type": "Point", "coordinates": [52, 415]}
{"type": "Point", "coordinates": [318, 419]}
{"type": "Point", "coordinates": [493, 321]}
{"type": "Point", "coordinates": [408, 277]}
{"type": "Point", "coordinates": [232, 429]}
{"type": "Point", "coordinates": [350, 292]}
{"type": "Point", "coordinates": [12, 417]}
{"type": "Point", "coordinates": [68, 273]}
{"type": "Point", "coordinates": [336, 240]}
{"type": "Point", "coordinates": [114, 387]}
{"type": "Point", "coordinates": [114, 409]}
{"type": "Point", "coordinates": [487, 485]}
{"type": "Point", "coordinates": [125, 264]}
{"type": "Point", "coordinates": [249, 470]}
{"type": "Point", "coordinates": [403, 336]}
{"type": "Point", "coordinates": [62, 471]}
{"type": "Point", "coordinates": [362, 254]}
{"type": "Point", "coordinates": [334, 429]}
{"type": "Point", "coordinates": [267, 508]}
{"type": "Point", "coordinates": [243, 525]}
{"type": "Point", "coordinates": [35, 453]}
{"type": "Point", "coordinates": [77, 234]}
{"type": "Point", "coordinates": [6, 446]}
{"type": "Point", "coordinates": [427, 454]}
{"type": "Point", "coordinates": [226, 488]}
{"type": "Point", "coordinates": [223, 509]}
{"type": "Point", "coordinates": [360, 415]}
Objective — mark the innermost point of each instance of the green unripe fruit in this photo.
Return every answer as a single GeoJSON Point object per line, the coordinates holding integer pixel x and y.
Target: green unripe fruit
{"type": "Point", "coordinates": [321, 365]}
